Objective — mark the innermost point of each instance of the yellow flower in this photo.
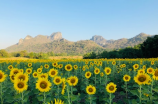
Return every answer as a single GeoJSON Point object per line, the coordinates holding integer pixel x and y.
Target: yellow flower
{"type": "Point", "coordinates": [12, 77]}
{"type": "Point", "coordinates": [60, 65]}
{"type": "Point", "coordinates": [111, 87]}
{"type": "Point", "coordinates": [46, 66]}
{"type": "Point", "coordinates": [72, 81]}
{"type": "Point", "coordinates": [57, 101]}
{"type": "Point", "coordinates": [14, 71]}
{"type": "Point", "coordinates": [22, 77]}
{"type": "Point", "coordinates": [28, 71]}
{"type": "Point", "coordinates": [88, 74]}
{"type": "Point", "coordinates": [2, 76]}
{"type": "Point", "coordinates": [107, 70]}
{"type": "Point", "coordinates": [96, 71]}
{"type": "Point", "coordinates": [155, 74]}
{"type": "Point", "coordinates": [43, 75]}
{"type": "Point", "coordinates": [53, 72]}
{"type": "Point", "coordinates": [152, 62]}
{"type": "Point", "coordinates": [83, 68]}
{"type": "Point", "coordinates": [55, 64]}
{"type": "Point", "coordinates": [135, 66]}
{"type": "Point", "coordinates": [150, 70]}
{"type": "Point", "coordinates": [75, 67]}
{"type": "Point", "coordinates": [142, 78]}
{"type": "Point", "coordinates": [39, 70]}
{"type": "Point", "coordinates": [29, 64]}
{"type": "Point", "coordinates": [20, 86]}
{"type": "Point", "coordinates": [141, 71]}
{"type": "Point", "coordinates": [113, 62]}
{"type": "Point", "coordinates": [35, 75]}
{"type": "Point", "coordinates": [101, 74]}
{"type": "Point", "coordinates": [10, 67]}
{"type": "Point", "coordinates": [126, 78]}
{"type": "Point", "coordinates": [43, 85]}
{"type": "Point", "coordinates": [90, 90]}
{"type": "Point", "coordinates": [144, 67]}
{"type": "Point", "coordinates": [68, 67]}
{"type": "Point", "coordinates": [57, 80]}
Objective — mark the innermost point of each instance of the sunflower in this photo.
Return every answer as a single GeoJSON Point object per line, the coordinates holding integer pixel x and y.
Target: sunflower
{"type": "Point", "coordinates": [73, 80]}
{"type": "Point", "coordinates": [22, 76]}
{"type": "Point", "coordinates": [144, 67]}
{"type": "Point", "coordinates": [111, 87]}
{"type": "Point", "coordinates": [2, 76]}
{"type": "Point", "coordinates": [57, 101]}
{"type": "Point", "coordinates": [41, 67]}
{"type": "Point", "coordinates": [63, 86]}
{"type": "Point", "coordinates": [20, 86]}
{"type": "Point", "coordinates": [57, 80]}
{"type": "Point", "coordinates": [142, 78]}
{"type": "Point", "coordinates": [12, 77]}
{"type": "Point", "coordinates": [46, 66]}
{"type": "Point", "coordinates": [29, 64]}
{"type": "Point", "coordinates": [141, 71]}
{"type": "Point", "coordinates": [88, 74]}
{"type": "Point", "coordinates": [126, 78]}
{"type": "Point", "coordinates": [101, 74]}
{"type": "Point", "coordinates": [75, 67]}
{"type": "Point", "coordinates": [100, 63]}
{"type": "Point", "coordinates": [83, 68]}
{"type": "Point", "coordinates": [53, 72]}
{"type": "Point", "coordinates": [155, 74]}
{"type": "Point", "coordinates": [107, 70]}
{"type": "Point", "coordinates": [60, 66]}
{"type": "Point", "coordinates": [135, 66]}
{"type": "Point", "coordinates": [152, 62]}
{"type": "Point", "coordinates": [14, 71]}
{"type": "Point", "coordinates": [43, 75]}
{"type": "Point", "coordinates": [21, 70]}
{"type": "Point", "coordinates": [113, 63]}
{"type": "Point", "coordinates": [55, 64]}
{"type": "Point", "coordinates": [39, 70]}
{"type": "Point", "coordinates": [28, 70]}
{"type": "Point", "coordinates": [68, 67]}
{"type": "Point", "coordinates": [10, 67]}
{"type": "Point", "coordinates": [90, 90]}
{"type": "Point", "coordinates": [35, 74]}
{"type": "Point", "coordinates": [43, 85]}
{"type": "Point", "coordinates": [86, 62]}
{"type": "Point", "coordinates": [96, 71]}
{"type": "Point", "coordinates": [95, 62]}
{"type": "Point", "coordinates": [150, 70]}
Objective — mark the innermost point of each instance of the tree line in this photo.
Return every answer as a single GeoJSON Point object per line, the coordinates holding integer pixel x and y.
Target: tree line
{"type": "Point", "coordinates": [148, 49]}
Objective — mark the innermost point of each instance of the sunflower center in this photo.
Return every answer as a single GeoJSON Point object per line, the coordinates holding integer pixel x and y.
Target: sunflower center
{"type": "Point", "coordinates": [88, 74]}
{"type": "Point", "coordinates": [156, 73]}
{"type": "Point", "coordinates": [96, 71]}
{"type": "Point", "coordinates": [43, 76]}
{"type": "Point", "coordinates": [35, 74]}
{"type": "Point", "coordinates": [111, 88]}
{"type": "Point", "coordinates": [126, 78]}
{"type": "Point", "coordinates": [68, 67]}
{"type": "Point", "coordinates": [10, 67]}
{"type": "Point", "coordinates": [28, 71]}
{"type": "Point", "coordinates": [20, 85]}
{"type": "Point", "coordinates": [90, 90]}
{"type": "Point", "coordinates": [150, 70]}
{"type": "Point", "coordinates": [72, 80]}
{"type": "Point", "coordinates": [22, 77]}
{"type": "Point", "coordinates": [53, 73]}
{"type": "Point", "coordinates": [15, 72]}
{"type": "Point", "coordinates": [142, 78]}
{"type": "Point", "coordinates": [135, 66]}
{"type": "Point", "coordinates": [43, 85]}
{"type": "Point", "coordinates": [1, 76]}
{"type": "Point", "coordinates": [108, 71]}
{"type": "Point", "coordinates": [12, 77]}
{"type": "Point", "coordinates": [57, 80]}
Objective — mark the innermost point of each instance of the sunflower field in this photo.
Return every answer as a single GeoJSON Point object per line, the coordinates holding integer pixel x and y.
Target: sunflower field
{"type": "Point", "coordinates": [79, 81]}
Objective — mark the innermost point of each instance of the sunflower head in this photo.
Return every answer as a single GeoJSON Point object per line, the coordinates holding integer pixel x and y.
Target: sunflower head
{"type": "Point", "coordinates": [101, 74]}
{"type": "Point", "coordinates": [114, 63]}
{"type": "Point", "coordinates": [35, 74]}
{"type": "Point", "coordinates": [135, 66]}
{"type": "Point", "coordinates": [155, 74]}
{"type": "Point", "coordinates": [150, 70]}
{"type": "Point", "coordinates": [96, 71]}
{"type": "Point", "coordinates": [142, 78]}
{"type": "Point", "coordinates": [10, 67]}
{"type": "Point", "coordinates": [68, 67]}
{"type": "Point", "coordinates": [2, 76]}
{"type": "Point", "coordinates": [141, 71]}
{"type": "Point", "coordinates": [53, 72]}
{"type": "Point", "coordinates": [43, 85]}
{"type": "Point", "coordinates": [57, 80]}
{"type": "Point", "coordinates": [22, 76]}
{"type": "Point", "coordinates": [55, 64]}
{"type": "Point", "coordinates": [28, 70]}
{"type": "Point", "coordinates": [46, 66]}
{"type": "Point", "coordinates": [39, 70]}
{"type": "Point", "coordinates": [20, 86]}
{"type": "Point", "coordinates": [29, 64]}
{"type": "Point", "coordinates": [43, 75]}
{"type": "Point", "coordinates": [72, 81]}
{"type": "Point", "coordinates": [111, 87]}
{"type": "Point", "coordinates": [107, 70]}
{"type": "Point", "coordinates": [90, 89]}
{"type": "Point", "coordinates": [75, 67]}
{"type": "Point", "coordinates": [152, 62]}
{"type": "Point", "coordinates": [57, 101]}
{"type": "Point", "coordinates": [60, 66]}
{"type": "Point", "coordinates": [126, 78]}
{"type": "Point", "coordinates": [88, 74]}
{"type": "Point", "coordinates": [14, 71]}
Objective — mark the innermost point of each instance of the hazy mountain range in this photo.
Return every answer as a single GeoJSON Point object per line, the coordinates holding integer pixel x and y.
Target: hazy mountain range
{"type": "Point", "coordinates": [57, 44]}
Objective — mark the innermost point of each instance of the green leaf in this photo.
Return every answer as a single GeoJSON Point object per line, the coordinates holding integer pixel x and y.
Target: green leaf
{"type": "Point", "coordinates": [48, 99]}
{"type": "Point", "coordinates": [134, 92]}
{"type": "Point", "coordinates": [40, 98]}
{"type": "Point", "coordinates": [73, 98]}
{"type": "Point", "coordinates": [134, 101]}
{"type": "Point", "coordinates": [122, 93]}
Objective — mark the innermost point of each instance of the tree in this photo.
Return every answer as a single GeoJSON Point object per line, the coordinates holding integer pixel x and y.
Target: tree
{"type": "Point", "coordinates": [3, 53]}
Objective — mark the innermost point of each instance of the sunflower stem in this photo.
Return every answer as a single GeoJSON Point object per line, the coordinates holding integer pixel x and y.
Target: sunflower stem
{"type": "Point", "coordinates": [151, 89]}
{"type": "Point", "coordinates": [1, 94]}
{"type": "Point", "coordinates": [44, 98]}
{"type": "Point", "coordinates": [68, 95]}
{"type": "Point", "coordinates": [71, 94]}
{"type": "Point", "coordinates": [105, 80]}
{"type": "Point", "coordinates": [22, 98]}
{"type": "Point", "coordinates": [110, 98]}
{"type": "Point", "coordinates": [90, 99]}
{"type": "Point", "coordinates": [58, 92]}
{"type": "Point", "coordinates": [95, 79]}
{"type": "Point", "coordinates": [140, 94]}
{"type": "Point", "coordinates": [126, 89]}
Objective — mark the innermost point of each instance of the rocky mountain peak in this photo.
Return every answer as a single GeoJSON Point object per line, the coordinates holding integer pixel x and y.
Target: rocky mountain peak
{"type": "Point", "coordinates": [28, 37]}
{"type": "Point", "coordinates": [55, 36]}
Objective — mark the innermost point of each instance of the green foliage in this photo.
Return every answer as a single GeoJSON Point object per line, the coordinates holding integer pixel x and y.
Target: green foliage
{"type": "Point", "coordinates": [3, 53]}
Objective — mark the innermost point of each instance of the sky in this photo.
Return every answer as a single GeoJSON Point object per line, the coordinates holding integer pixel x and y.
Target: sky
{"type": "Point", "coordinates": [76, 19]}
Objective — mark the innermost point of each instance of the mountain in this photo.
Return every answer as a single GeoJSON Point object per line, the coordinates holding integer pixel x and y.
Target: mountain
{"type": "Point", "coordinates": [57, 44]}
{"type": "Point", "coordinates": [120, 43]}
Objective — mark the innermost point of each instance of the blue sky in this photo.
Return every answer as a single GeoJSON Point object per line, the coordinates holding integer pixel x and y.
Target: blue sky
{"type": "Point", "coordinates": [76, 19]}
